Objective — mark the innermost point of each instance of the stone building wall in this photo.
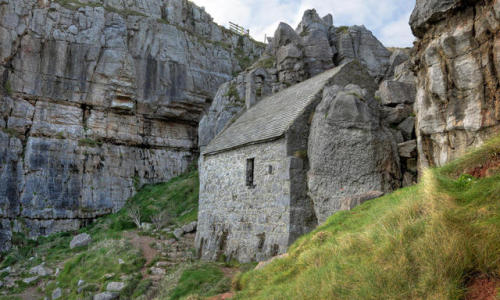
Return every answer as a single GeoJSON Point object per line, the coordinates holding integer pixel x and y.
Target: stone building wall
{"type": "Point", "coordinates": [241, 222]}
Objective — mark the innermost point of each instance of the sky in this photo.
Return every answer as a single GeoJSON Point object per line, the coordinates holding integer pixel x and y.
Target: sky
{"type": "Point", "coordinates": [387, 19]}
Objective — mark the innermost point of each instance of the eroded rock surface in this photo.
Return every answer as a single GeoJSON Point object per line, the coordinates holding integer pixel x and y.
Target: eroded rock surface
{"type": "Point", "coordinates": [293, 56]}
{"type": "Point", "coordinates": [458, 65]}
{"type": "Point", "coordinates": [99, 98]}
{"type": "Point", "coordinates": [351, 152]}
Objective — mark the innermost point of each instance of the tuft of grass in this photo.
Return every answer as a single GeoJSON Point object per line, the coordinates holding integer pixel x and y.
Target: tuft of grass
{"type": "Point", "coordinates": [421, 242]}
{"type": "Point", "coordinates": [202, 280]}
{"type": "Point", "coordinates": [7, 88]}
{"type": "Point", "coordinates": [88, 142]}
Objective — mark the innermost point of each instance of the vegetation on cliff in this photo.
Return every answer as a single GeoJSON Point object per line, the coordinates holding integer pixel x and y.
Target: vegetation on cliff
{"type": "Point", "coordinates": [119, 251]}
{"type": "Point", "coordinates": [429, 241]}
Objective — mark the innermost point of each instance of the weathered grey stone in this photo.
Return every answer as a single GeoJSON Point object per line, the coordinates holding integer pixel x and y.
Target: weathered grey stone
{"type": "Point", "coordinates": [57, 293]}
{"type": "Point", "coordinates": [394, 92]}
{"type": "Point", "coordinates": [80, 283]}
{"type": "Point", "coordinates": [157, 271]}
{"type": "Point", "coordinates": [103, 99]}
{"type": "Point", "coordinates": [408, 149]}
{"type": "Point", "coordinates": [41, 270]}
{"type": "Point", "coordinates": [347, 120]}
{"type": "Point", "coordinates": [191, 227]}
{"type": "Point", "coordinates": [80, 240]}
{"type": "Point", "coordinates": [407, 128]}
{"type": "Point", "coordinates": [357, 42]}
{"type": "Point", "coordinates": [106, 296]}
{"type": "Point", "coordinates": [292, 57]}
{"type": "Point", "coordinates": [458, 96]}
{"type": "Point", "coordinates": [178, 233]}
{"type": "Point", "coordinates": [29, 280]}
{"type": "Point", "coordinates": [115, 286]}
{"type": "Point", "coordinates": [396, 115]}
{"type": "Point", "coordinates": [427, 12]}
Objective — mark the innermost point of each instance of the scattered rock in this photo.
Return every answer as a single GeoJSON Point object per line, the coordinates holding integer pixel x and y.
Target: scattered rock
{"type": "Point", "coordinates": [30, 279]}
{"type": "Point", "coordinates": [157, 271]}
{"type": "Point", "coordinates": [109, 275]}
{"type": "Point", "coordinates": [57, 272]}
{"type": "Point", "coordinates": [80, 240]}
{"type": "Point", "coordinates": [178, 233]}
{"type": "Point", "coordinates": [106, 296]}
{"type": "Point", "coordinates": [41, 270]}
{"type": "Point", "coordinates": [395, 115]}
{"type": "Point", "coordinates": [162, 264]}
{"type": "Point", "coordinates": [121, 261]}
{"type": "Point", "coordinates": [115, 286]}
{"type": "Point", "coordinates": [80, 283]}
{"type": "Point", "coordinates": [191, 227]}
{"type": "Point", "coordinates": [408, 149]}
{"type": "Point", "coordinates": [6, 270]}
{"type": "Point", "coordinates": [57, 293]}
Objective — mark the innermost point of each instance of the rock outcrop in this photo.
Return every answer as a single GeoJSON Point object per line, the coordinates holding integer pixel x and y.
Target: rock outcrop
{"type": "Point", "coordinates": [98, 98]}
{"type": "Point", "coordinates": [293, 56]}
{"type": "Point", "coordinates": [457, 60]}
{"type": "Point", "coordinates": [351, 152]}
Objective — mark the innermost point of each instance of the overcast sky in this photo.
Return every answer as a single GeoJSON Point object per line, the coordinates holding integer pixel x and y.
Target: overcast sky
{"type": "Point", "coordinates": [387, 19]}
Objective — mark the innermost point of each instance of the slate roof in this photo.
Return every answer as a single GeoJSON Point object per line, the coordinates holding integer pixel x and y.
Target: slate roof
{"type": "Point", "coordinates": [271, 117]}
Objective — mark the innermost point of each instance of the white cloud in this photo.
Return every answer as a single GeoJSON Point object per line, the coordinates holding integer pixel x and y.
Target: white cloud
{"type": "Point", "coordinates": [387, 19]}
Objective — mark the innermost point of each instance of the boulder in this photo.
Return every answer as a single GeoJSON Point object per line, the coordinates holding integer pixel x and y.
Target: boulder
{"type": "Point", "coordinates": [80, 240]}
{"type": "Point", "coordinates": [29, 280]}
{"type": "Point", "coordinates": [115, 286]}
{"type": "Point", "coordinates": [157, 271]}
{"type": "Point", "coordinates": [41, 270]}
{"type": "Point", "coordinates": [106, 296]}
{"type": "Point", "coordinates": [408, 149]}
{"type": "Point", "coordinates": [188, 228]}
{"type": "Point", "coordinates": [57, 293]}
{"type": "Point", "coordinates": [178, 233]}
{"type": "Point", "coordinates": [350, 151]}
{"type": "Point", "coordinates": [407, 128]}
{"type": "Point", "coordinates": [396, 115]}
{"type": "Point", "coordinates": [395, 92]}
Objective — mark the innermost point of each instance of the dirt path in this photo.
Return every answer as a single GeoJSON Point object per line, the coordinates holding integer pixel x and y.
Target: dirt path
{"type": "Point", "coordinates": [143, 242]}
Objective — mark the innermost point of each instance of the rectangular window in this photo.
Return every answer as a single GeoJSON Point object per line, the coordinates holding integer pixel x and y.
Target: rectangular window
{"type": "Point", "coordinates": [250, 171]}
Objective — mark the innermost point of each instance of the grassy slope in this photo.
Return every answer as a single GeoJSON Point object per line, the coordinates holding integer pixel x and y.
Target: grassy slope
{"type": "Point", "coordinates": [422, 242]}
{"type": "Point", "coordinates": [92, 263]}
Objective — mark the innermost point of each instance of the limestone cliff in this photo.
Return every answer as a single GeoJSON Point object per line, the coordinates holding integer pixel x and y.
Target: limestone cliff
{"type": "Point", "coordinates": [98, 98]}
{"type": "Point", "coordinates": [457, 60]}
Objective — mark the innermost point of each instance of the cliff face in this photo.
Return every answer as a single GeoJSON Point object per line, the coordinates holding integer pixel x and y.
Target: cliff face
{"type": "Point", "coordinates": [98, 98]}
{"type": "Point", "coordinates": [457, 61]}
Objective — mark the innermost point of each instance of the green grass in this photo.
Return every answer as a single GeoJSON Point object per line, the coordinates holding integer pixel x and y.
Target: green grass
{"type": "Point", "coordinates": [421, 242]}
{"type": "Point", "coordinates": [93, 262]}
{"type": "Point", "coordinates": [202, 280]}
{"type": "Point", "coordinates": [88, 142]}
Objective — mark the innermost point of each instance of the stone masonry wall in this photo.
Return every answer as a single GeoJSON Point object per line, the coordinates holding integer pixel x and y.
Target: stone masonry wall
{"type": "Point", "coordinates": [241, 222]}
